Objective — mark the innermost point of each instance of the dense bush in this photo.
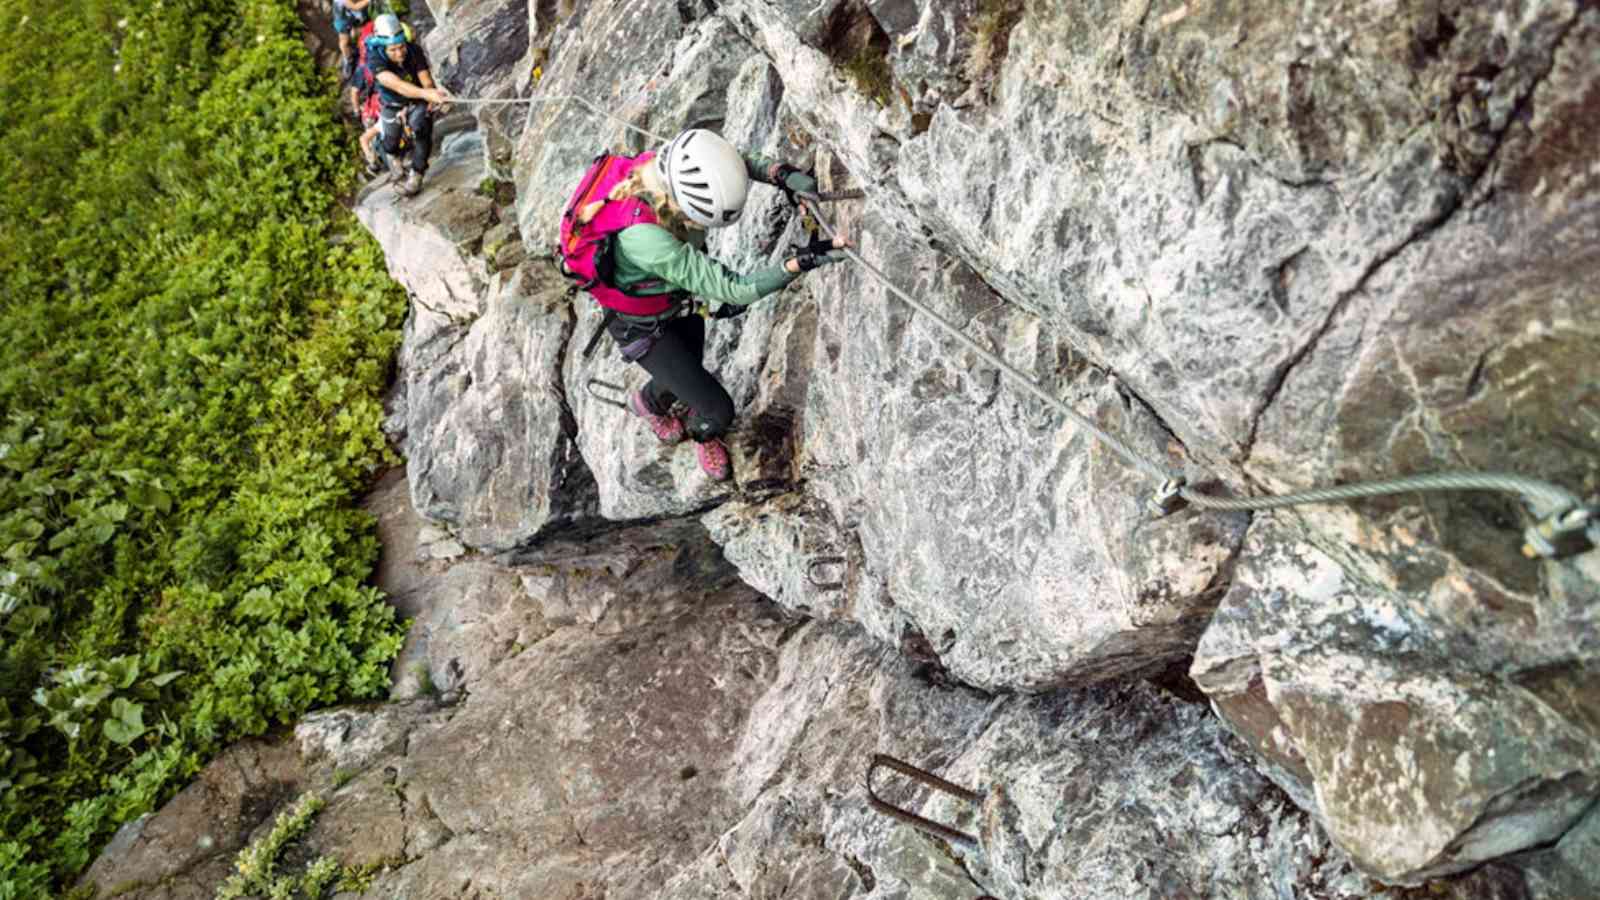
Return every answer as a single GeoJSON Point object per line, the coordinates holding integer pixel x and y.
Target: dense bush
{"type": "Point", "coordinates": [195, 337]}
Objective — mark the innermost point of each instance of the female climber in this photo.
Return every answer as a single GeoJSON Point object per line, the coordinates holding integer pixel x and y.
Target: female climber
{"type": "Point", "coordinates": [657, 262]}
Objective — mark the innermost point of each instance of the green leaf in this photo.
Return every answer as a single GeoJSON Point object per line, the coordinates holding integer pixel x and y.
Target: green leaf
{"type": "Point", "coordinates": [120, 732]}
{"type": "Point", "coordinates": [128, 712]}
{"type": "Point", "coordinates": [91, 697]}
{"type": "Point", "coordinates": [31, 617]}
{"type": "Point", "coordinates": [165, 678]}
{"type": "Point", "coordinates": [257, 602]}
{"type": "Point", "coordinates": [123, 671]}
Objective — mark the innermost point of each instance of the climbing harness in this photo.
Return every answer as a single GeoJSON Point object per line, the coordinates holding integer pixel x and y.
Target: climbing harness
{"type": "Point", "coordinates": [1565, 526]}
{"type": "Point", "coordinates": [921, 776]}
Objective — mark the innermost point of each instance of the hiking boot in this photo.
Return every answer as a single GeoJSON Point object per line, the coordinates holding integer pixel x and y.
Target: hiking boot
{"type": "Point", "coordinates": [713, 456]}
{"type": "Point", "coordinates": [668, 428]}
{"type": "Point", "coordinates": [397, 170]}
{"type": "Point", "coordinates": [413, 184]}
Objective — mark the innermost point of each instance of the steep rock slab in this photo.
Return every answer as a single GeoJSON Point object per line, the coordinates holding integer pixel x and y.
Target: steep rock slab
{"type": "Point", "coordinates": [480, 49]}
{"type": "Point", "coordinates": [1097, 793]}
{"type": "Point", "coordinates": [753, 789]}
{"type": "Point", "coordinates": [485, 429]}
{"type": "Point", "coordinates": [1167, 600]}
{"type": "Point", "coordinates": [600, 757]}
{"type": "Point", "coordinates": [1188, 193]}
{"type": "Point", "coordinates": [1473, 347]}
{"type": "Point", "coordinates": [977, 526]}
{"type": "Point", "coordinates": [486, 50]}
{"type": "Point", "coordinates": [1418, 763]}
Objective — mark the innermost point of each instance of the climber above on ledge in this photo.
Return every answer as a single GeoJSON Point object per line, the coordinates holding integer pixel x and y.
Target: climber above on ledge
{"type": "Point", "coordinates": [407, 99]}
{"type": "Point", "coordinates": [348, 16]}
{"type": "Point", "coordinates": [634, 234]}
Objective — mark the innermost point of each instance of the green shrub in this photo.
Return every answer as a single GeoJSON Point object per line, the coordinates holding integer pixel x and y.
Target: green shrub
{"type": "Point", "coordinates": [197, 338]}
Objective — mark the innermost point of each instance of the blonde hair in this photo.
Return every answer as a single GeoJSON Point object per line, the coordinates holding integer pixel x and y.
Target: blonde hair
{"type": "Point", "coordinates": [645, 184]}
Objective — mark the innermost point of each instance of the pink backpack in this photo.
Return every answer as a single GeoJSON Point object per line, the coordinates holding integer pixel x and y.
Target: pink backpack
{"type": "Point", "coordinates": [588, 225]}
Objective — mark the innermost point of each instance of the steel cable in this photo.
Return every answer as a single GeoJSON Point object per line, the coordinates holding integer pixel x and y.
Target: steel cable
{"type": "Point", "coordinates": [506, 101]}
{"type": "Point", "coordinates": [1547, 499]}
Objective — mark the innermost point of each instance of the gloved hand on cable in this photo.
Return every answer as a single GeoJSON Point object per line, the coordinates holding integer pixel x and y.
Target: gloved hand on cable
{"type": "Point", "coordinates": [820, 252]}
{"type": "Point", "coordinates": [437, 98]}
{"type": "Point", "coordinates": [793, 181]}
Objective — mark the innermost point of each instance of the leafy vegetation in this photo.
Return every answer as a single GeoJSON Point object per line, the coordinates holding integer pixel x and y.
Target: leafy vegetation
{"type": "Point", "coordinates": [196, 340]}
{"type": "Point", "coordinates": [256, 868]}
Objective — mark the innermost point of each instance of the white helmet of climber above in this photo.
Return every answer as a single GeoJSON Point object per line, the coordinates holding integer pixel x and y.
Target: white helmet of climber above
{"type": "Point", "coordinates": [386, 30]}
{"type": "Point", "coordinates": [706, 177]}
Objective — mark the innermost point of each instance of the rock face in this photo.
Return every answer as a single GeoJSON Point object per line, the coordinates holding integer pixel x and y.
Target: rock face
{"type": "Point", "coordinates": [1156, 184]}
{"type": "Point", "coordinates": [1269, 248]}
{"type": "Point", "coordinates": [672, 735]}
{"type": "Point", "coordinates": [1417, 757]}
{"type": "Point", "coordinates": [479, 410]}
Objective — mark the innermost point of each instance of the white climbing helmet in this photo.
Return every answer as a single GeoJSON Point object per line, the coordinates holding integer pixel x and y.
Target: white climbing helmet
{"type": "Point", "coordinates": [387, 30]}
{"type": "Point", "coordinates": [706, 177]}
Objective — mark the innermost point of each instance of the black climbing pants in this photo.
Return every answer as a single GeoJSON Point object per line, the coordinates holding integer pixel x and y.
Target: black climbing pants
{"type": "Point", "coordinates": [677, 373]}
{"type": "Point", "coordinates": [395, 119]}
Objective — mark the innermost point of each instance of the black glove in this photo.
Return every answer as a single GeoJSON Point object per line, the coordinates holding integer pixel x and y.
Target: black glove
{"type": "Point", "coordinates": [730, 310]}
{"type": "Point", "coordinates": [820, 252]}
{"type": "Point", "coordinates": [794, 181]}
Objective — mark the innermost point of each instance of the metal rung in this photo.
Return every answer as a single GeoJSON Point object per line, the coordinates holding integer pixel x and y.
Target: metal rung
{"type": "Point", "coordinates": [594, 386]}
{"type": "Point", "coordinates": [931, 780]}
{"type": "Point", "coordinates": [820, 561]}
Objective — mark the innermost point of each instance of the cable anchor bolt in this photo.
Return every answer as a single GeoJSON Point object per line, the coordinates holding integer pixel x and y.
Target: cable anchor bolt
{"type": "Point", "coordinates": [1168, 498]}
{"type": "Point", "coordinates": [925, 777]}
{"type": "Point", "coordinates": [1563, 533]}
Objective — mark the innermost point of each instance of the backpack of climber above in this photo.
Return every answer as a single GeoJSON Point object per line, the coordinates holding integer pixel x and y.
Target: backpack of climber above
{"type": "Point", "coordinates": [589, 224]}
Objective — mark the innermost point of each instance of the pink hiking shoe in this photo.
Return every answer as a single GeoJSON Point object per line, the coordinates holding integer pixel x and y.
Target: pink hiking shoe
{"type": "Point", "coordinates": [668, 428]}
{"type": "Point", "coordinates": [713, 458]}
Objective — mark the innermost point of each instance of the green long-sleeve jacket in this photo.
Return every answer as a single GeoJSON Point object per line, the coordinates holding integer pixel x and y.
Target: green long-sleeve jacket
{"type": "Point", "coordinates": [650, 252]}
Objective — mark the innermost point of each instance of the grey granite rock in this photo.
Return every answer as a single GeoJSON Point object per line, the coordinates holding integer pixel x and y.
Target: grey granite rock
{"type": "Point", "coordinates": [1272, 246]}
{"type": "Point", "coordinates": [1421, 758]}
